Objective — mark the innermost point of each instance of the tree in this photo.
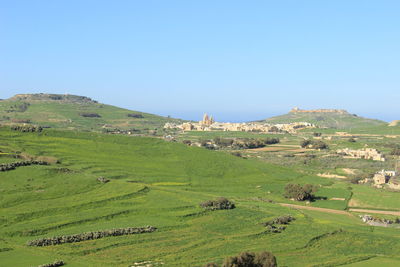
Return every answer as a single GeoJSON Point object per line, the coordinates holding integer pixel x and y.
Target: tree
{"type": "Point", "coordinates": [300, 193]}
{"type": "Point", "coordinates": [251, 259]}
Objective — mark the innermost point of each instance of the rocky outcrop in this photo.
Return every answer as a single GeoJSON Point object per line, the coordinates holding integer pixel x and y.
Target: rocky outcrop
{"type": "Point", "coordinates": [394, 123]}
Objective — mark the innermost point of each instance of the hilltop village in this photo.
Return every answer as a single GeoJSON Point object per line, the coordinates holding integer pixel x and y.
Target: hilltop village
{"type": "Point", "coordinates": [209, 124]}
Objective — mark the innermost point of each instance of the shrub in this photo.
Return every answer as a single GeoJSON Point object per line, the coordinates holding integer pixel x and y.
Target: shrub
{"type": "Point", "coordinates": [319, 145]}
{"type": "Point", "coordinates": [103, 180]}
{"type": "Point", "coordinates": [27, 128]}
{"type": "Point", "coordinates": [286, 219]}
{"type": "Point", "coordinates": [251, 259]}
{"type": "Point", "coordinates": [271, 141]}
{"type": "Point", "coordinates": [224, 142]}
{"type": "Point", "coordinates": [395, 151]}
{"type": "Point", "coordinates": [300, 193]}
{"type": "Point", "coordinates": [89, 115]}
{"type": "Point", "coordinates": [187, 142]}
{"type": "Point", "coordinates": [237, 154]}
{"type": "Point", "coordinates": [271, 225]}
{"type": "Point", "coordinates": [135, 115]}
{"type": "Point", "coordinates": [218, 204]}
{"type": "Point", "coordinates": [355, 180]}
{"type": "Point", "coordinates": [313, 144]}
{"type": "Point", "coordinates": [305, 143]}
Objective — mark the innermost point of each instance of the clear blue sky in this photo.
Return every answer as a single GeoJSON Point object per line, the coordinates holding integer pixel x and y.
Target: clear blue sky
{"type": "Point", "coordinates": [238, 60]}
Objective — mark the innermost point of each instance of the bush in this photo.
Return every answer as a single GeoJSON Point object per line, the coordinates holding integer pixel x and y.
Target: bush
{"type": "Point", "coordinates": [395, 151]}
{"type": "Point", "coordinates": [135, 115]}
{"type": "Point", "coordinates": [313, 144]}
{"type": "Point", "coordinates": [237, 154]}
{"type": "Point", "coordinates": [223, 142]}
{"type": "Point", "coordinates": [187, 142]}
{"type": "Point", "coordinates": [300, 193]}
{"type": "Point", "coordinates": [103, 180]}
{"type": "Point", "coordinates": [271, 141]}
{"type": "Point", "coordinates": [319, 145]}
{"type": "Point", "coordinates": [218, 204]}
{"type": "Point", "coordinates": [305, 143]}
{"type": "Point", "coordinates": [286, 219]}
{"type": "Point", "coordinates": [89, 115]}
{"type": "Point", "coordinates": [251, 259]}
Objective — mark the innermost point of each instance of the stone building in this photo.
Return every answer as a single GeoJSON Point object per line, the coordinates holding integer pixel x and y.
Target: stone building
{"type": "Point", "coordinates": [366, 153]}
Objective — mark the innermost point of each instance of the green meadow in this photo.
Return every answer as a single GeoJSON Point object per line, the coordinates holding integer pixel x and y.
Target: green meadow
{"type": "Point", "coordinates": [159, 183]}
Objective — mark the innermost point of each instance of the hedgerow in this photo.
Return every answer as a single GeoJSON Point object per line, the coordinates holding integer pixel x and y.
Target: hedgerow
{"type": "Point", "coordinates": [57, 240]}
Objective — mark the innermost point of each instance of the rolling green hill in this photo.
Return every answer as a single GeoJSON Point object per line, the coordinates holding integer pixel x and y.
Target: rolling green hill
{"type": "Point", "coordinates": [74, 113]}
{"type": "Point", "coordinates": [159, 183]}
{"type": "Point", "coordinates": [338, 120]}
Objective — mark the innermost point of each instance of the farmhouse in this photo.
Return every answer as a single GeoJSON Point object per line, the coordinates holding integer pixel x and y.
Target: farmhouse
{"type": "Point", "coordinates": [366, 153]}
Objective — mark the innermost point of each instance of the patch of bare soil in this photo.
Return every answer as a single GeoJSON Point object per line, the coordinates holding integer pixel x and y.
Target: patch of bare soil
{"type": "Point", "coordinates": [349, 171]}
{"type": "Point", "coordinates": [328, 175]}
{"type": "Point", "coordinates": [386, 212]}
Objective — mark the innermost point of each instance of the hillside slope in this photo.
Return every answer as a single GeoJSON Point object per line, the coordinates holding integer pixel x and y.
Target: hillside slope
{"type": "Point", "coordinates": [74, 112]}
{"type": "Point", "coordinates": [339, 119]}
{"type": "Point", "coordinates": [159, 183]}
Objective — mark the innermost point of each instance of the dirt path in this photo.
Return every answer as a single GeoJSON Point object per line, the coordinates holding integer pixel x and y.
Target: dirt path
{"type": "Point", "coordinates": [343, 212]}
{"type": "Point", "coordinates": [386, 212]}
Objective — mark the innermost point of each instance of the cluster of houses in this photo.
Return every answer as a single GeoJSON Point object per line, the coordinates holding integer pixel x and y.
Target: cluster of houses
{"type": "Point", "coordinates": [383, 178]}
{"type": "Point", "coordinates": [208, 124]}
{"type": "Point", "coordinates": [365, 153]}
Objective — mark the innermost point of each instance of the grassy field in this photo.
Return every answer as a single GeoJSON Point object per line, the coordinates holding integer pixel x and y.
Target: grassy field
{"type": "Point", "coordinates": [159, 183]}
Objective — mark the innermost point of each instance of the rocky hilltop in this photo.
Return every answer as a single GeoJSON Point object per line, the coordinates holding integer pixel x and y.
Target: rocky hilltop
{"type": "Point", "coordinates": [338, 111]}
{"type": "Point", "coordinates": [52, 97]}
{"type": "Point", "coordinates": [326, 118]}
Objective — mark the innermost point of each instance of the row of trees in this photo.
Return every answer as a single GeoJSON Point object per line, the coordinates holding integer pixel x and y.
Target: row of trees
{"type": "Point", "coordinates": [245, 143]}
{"type": "Point", "coordinates": [57, 240]}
